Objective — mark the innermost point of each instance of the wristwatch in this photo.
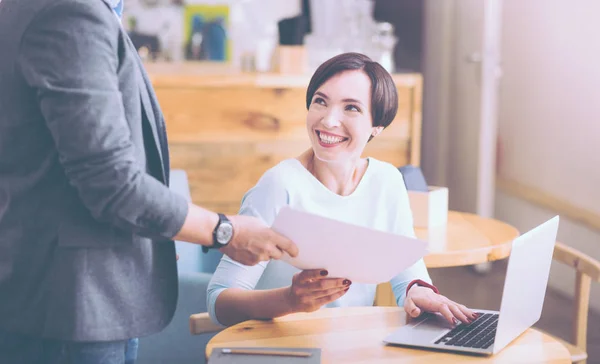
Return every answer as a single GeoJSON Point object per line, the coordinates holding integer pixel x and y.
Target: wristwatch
{"type": "Point", "coordinates": [222, 234]}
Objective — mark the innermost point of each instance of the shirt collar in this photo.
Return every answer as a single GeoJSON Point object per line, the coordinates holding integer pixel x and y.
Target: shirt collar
{"type": "Point", "coordinates": [117, 6]}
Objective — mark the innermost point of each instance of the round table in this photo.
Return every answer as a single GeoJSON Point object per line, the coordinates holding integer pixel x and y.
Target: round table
{"type": "Point", "coordinates": [467, 239]}
{"type": "Point", "coordinates": [354, 335]}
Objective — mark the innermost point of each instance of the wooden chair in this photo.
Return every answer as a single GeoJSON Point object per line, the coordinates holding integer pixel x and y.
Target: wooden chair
{"type": "Point", "coordinates": [587, 269]}
{"type": "Point", "coordinates": [200, 323]}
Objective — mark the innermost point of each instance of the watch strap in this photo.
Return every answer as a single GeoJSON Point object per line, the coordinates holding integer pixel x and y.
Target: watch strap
{"type": "Point", "coordinates": [216, 244]}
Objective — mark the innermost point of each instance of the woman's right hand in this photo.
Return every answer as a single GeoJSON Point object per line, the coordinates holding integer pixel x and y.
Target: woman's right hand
{"type": "Point", "coordinates": [311, 289]}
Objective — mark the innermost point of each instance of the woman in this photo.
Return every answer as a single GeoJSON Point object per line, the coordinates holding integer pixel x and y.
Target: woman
{"type": "Point", "coordinates": [350, 100]}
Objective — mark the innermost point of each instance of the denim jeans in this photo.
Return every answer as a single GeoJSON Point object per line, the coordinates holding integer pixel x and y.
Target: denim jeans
{"type": "Point", "coordinates": [23, 349]}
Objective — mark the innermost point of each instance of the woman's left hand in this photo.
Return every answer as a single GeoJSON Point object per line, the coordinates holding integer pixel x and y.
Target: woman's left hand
{"type": "Point", "coordinates": [421, 299]}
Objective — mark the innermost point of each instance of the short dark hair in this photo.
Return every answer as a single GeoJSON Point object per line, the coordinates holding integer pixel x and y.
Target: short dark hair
{"type": "Point", "coordinates": [384, 96]}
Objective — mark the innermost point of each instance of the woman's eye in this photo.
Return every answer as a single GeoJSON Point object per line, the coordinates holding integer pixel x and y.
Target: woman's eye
{"type": "Point", "coordinates": [319, 101]}
{"type": "Point", "coordinates": [352, 108]}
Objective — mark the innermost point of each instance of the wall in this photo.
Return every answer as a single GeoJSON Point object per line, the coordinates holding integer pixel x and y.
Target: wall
{"type": "Point", "coordinates": [549, 116]}
{"type": "Point", "coordinates": [459, 117]}
{"type": "Point", "coordinates": [548, 111]}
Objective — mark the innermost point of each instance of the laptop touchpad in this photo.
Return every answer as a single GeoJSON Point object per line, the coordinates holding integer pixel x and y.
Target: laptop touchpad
{"type": "Point", "coordinates": [431, 327]}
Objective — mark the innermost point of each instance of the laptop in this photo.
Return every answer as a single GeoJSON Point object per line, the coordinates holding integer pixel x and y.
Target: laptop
{"type": "Point", "coordinates": [521, 306]}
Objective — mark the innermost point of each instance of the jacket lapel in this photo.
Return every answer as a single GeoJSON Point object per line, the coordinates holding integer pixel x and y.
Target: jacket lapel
{"type": "Point", "coordinates": [149, 108]}
{"type": "Point", "coordinates": [150, 115]}
{"type": "Point", "coordinates": [159, 124]}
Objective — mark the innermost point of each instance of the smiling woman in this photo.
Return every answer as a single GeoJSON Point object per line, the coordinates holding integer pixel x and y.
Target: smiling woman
{"type": "Point", "coordinates": [382, 94]}
{"type": "Point", "coordinates": [350, 100]}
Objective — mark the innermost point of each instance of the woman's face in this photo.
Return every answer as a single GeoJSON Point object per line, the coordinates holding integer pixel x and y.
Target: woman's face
{"type": "Point", "coordinates": [339, 119]}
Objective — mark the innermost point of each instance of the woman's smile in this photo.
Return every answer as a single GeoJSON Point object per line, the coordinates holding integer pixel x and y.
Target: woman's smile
{"type": "Point", "coordinates": [330, 140]}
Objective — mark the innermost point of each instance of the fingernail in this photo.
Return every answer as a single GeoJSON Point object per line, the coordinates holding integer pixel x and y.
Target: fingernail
{"type": "Point", "coordinates": [323, 272]}
{"type": "Point", "coordinates": [346, 282]}
{"type": "Point", "coordinates": [455, 321]}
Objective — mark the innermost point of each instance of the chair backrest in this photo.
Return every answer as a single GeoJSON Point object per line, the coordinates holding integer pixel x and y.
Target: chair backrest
{"type": "Point", "coordinates": [174, 344]}
{"type": "Point", "coordinates": [587, 270]}
{"type": "Point", "coordinates": [189, 254]}
{"type": "Point", "coordinates": [200, 323]}
{"type": "Point", "coordinates": [191, 257]}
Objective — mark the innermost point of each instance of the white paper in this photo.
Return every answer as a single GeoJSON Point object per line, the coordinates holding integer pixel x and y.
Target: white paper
{"type": "Point", "coordinates": [360, 254]}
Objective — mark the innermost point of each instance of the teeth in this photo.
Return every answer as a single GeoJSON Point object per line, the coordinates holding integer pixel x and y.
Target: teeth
{"type": "Point", "coordinates": [329, 139]}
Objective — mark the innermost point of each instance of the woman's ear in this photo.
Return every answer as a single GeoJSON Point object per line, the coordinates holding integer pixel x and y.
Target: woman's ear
{"type": "Point", "coordinates": [376, 131]}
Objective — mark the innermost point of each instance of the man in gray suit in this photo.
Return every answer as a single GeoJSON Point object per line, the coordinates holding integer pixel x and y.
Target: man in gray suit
{"type": "Point", "coordinates": [87, 222]}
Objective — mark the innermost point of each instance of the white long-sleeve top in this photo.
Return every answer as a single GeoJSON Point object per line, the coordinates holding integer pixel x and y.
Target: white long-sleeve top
{"type": "Point", "coordinates": [380, 201]}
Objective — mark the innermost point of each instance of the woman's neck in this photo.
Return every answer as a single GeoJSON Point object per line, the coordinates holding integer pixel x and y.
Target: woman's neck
{"type": "Point", "coordinates": [340, 178]}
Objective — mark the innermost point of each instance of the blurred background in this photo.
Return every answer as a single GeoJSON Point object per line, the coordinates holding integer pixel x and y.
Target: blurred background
{"type": "Point", "coordinates": [507, 99]}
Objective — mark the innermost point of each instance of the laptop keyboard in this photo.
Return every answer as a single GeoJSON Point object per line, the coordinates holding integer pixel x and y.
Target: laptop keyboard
{"type": "Point", "coordinates": [479, 334]}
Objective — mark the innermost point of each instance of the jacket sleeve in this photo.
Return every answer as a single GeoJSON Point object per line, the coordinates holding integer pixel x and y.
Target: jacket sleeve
{"type": "Point", "coordinates": [69, 56]}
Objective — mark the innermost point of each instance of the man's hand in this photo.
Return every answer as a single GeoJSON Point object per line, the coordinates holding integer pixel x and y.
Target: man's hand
{"type": "Point", "coordinates": [253, 241]}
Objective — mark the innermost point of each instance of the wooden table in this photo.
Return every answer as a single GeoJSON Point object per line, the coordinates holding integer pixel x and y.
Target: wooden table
{"type": "Point", "coordinates": [354, 335]}
{"type": "Point", "coordinates": [466, 239]}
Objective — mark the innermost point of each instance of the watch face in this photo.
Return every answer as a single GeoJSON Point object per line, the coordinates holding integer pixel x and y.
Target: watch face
{"type": "Point", "coordinates": [224, 233]}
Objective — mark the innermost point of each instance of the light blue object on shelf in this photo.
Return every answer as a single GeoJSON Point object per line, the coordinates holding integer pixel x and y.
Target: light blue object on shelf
{"type": "Point", "coordinates": [217, 39]}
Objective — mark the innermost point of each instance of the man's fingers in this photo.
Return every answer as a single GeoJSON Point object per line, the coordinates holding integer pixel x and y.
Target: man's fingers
{"type": "Point", "coordinates": [249, 260]}
{"type": "Point", "coordinates": [411, 308]}
{"type": "Point", "coordinates": [244, 257]}
{"type": "Point", "coordinates": [274, 252]}
{"type": "Point", "coordinates": [286, 245]}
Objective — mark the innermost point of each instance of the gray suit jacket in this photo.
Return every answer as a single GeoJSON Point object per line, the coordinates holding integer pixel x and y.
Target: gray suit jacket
{"type": "Point", "coordinates": [86, 219]}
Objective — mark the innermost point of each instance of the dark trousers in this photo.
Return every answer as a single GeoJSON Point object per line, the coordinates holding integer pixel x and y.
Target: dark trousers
{"type": "Point", "coordinates": [23, 349]}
